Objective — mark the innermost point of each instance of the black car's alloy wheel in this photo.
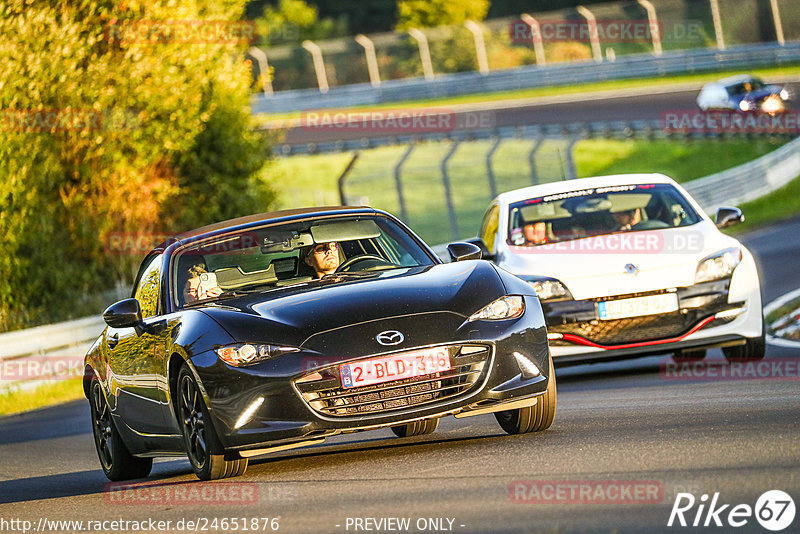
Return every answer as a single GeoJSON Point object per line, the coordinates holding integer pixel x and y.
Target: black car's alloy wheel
{"type": "Point", "coordinates": [202, 445]}
{"type": "Point", "coordinates": [117, 462]}
{"type": "Point", "coordinates": [532, 418]}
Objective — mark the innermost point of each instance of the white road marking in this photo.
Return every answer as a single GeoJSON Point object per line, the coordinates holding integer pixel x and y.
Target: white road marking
{"type": "Point", "coordinates": [774, 305]}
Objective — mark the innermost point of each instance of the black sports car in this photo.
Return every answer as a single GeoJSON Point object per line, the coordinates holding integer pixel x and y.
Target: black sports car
{"type": "Point", "coordinates": [274, 331]}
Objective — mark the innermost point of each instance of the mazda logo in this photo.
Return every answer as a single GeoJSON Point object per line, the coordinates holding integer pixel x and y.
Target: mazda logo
{"type": "Point", "coordinates": [390, 337]}
{"type": "Point", "coordinates": [631, 269]}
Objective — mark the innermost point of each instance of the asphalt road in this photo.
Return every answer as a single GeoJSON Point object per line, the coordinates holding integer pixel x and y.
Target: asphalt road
{"type": "Point", "coordinates": [607, 106]}
{"type": "Point", "coordinates": [622, 425]}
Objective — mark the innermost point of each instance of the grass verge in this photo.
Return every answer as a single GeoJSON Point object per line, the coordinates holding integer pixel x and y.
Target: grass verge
{"type": "Point", "coordinates": [265, 118]}
{"type": "Point", "coordinates": [783, 203]}
{"type": "Point", "coordinates": [312, 180]}
{"type": "Point", "coordinates": [48, 394]}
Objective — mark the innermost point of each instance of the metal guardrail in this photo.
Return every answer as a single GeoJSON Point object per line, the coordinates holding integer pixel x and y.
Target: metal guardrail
{"type": "Point", "coordinates": [748, 181]}
{"type": "Point", "coordinates": [447, 85]}
{"type": "Point", "coordinates": [53, 352]}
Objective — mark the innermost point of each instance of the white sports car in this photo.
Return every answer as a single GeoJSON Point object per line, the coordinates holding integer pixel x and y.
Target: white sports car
{"type": "Point", "coordinates": [628, 266]}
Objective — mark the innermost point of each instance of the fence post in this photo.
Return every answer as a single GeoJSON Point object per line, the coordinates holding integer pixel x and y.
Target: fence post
{"type": "Point", "coordinates": [572, 172]}
{"type": "Point", "coordinates": [448, 193]}
{"type": "Point", "coordinates": [263, 66]}
{"type": "Point", "coordinates": [480, 46]}
{"type": "Point", "coordinates": [424, 52]}
{"type": "Point", "coordinates": [345, 172]}
{"type": "Point", "coordinates": [776, 16]}
{"type": "Point", "coordinates": [532, 159]}
{"type": "Point", "coordinates": [594, 34]}
{"type": "Point", "coordinates": [319, 64]}
{"type": "Point", "coordinates": [717, 24]}
{"type": "Point", "coordinates": [490, 168]}
{"type": "Point", "coordinates": [372, 59]}
{"type": "Point", "coordinates": [536, 37]}
{"type": "Point", "coordinates": [652, 20]}
{"type": "Point", "coordinates": [399, 184]}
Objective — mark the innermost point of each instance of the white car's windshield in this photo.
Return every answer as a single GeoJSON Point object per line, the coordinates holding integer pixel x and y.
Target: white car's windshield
{"type": "Point", "coordinates": [597, 211]}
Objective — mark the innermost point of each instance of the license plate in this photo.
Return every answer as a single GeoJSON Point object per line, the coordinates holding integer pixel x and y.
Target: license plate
{"type": "Point", "coordinates": [637, 306]}
{"type": "Point", "coordinates": [395, 367]}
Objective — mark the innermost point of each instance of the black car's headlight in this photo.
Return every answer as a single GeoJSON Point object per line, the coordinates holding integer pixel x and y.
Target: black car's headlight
{"type": "Point", "coordinates": [718, 265]}
{"type": "Point", "coordinates": [241, 354]}
{"type": "Point", "coordinates": [508, 307]}
{"type": "Point", "coordinates": [548, 288]}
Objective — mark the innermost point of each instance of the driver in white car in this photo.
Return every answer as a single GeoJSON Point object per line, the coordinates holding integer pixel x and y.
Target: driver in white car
{"type": "Point", "coordinates": [323, 258]}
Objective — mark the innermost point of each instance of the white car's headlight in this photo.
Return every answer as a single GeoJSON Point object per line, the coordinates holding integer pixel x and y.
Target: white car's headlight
{"type": "Point", "coordinates": [784, 94]}
{"type": "Point", "coordinates": [508, 307]}
{"type": "Point", "coordinates": [744, 105]}
{"type": "Point", "coordinates": [548, 288]}
{"type": "Point", "coordinates": [719, 265]}
{"type": "Point", "coordinates": [241, 354]}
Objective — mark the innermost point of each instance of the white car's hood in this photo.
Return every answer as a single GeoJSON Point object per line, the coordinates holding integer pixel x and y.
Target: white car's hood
{"type": "Point", "coordinates": [620, 264]}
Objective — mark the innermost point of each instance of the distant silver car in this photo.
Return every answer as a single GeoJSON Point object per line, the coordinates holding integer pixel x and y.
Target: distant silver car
{"type": "Point", "coordinates": [743, 93]}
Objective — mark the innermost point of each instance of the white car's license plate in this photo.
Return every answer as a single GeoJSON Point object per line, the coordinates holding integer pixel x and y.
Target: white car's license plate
{"type": "Point", "coordinates": [637, 306]}
{"type": "Point", "coordinates": [395, 367]}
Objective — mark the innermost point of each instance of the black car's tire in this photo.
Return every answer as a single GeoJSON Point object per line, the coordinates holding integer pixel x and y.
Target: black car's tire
{"type": "Point", "coordinates": [199, 437]}
{"type": "Point", "coordinates": [532, 418]}
{"type": "Point", "coordinates": [417, 428]}
{"type": "Point", "coordinates": [688, 356]}
{"type": "Point", "coordinates": [116, 461]}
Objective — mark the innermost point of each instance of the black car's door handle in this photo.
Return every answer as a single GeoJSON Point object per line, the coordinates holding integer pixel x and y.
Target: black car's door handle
{"type": "Point", "coordinates": [113, 340]}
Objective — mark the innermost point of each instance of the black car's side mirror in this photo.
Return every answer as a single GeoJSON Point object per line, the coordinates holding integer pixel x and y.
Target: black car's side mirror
{"type": "Point", "coordinates": [463, 251]}
{"type": "Point", "coordinates": [123, 314]}
{"type": "Point", "coordinates": [727, 216]}
{"type": "Point", "coordinates": [478, 242]}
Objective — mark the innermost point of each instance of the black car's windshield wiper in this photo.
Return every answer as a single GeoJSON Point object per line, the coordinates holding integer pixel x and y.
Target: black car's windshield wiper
{"type": "Point", "coordinates": [231, 293]}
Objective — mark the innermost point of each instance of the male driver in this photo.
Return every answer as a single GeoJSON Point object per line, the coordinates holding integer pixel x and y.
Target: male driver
{"type": "Point", "coordinates": [628, 219]}
{"type": "Point", "coordinates": [323, 258]}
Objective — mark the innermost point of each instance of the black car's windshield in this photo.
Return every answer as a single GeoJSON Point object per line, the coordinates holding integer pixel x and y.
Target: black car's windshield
{"type": "Point", "coordinates": [597, 211]}
{"type": "Point", "coordinates": [287, 254]}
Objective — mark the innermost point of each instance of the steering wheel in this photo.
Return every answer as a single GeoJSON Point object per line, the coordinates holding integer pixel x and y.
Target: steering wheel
{"type": "Point", "coordinates": [362, 257]}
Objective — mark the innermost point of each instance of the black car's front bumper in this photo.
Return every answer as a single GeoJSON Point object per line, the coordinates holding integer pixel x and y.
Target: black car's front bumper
{"type": "Point", "coordinates": [299, 397]}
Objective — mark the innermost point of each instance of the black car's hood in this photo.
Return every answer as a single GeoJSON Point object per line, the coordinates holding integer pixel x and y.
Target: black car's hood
{"type": "Point", "coordinates": [291, 315]}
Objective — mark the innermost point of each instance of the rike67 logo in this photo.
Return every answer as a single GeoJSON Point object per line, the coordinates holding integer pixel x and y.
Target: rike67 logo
{"type": "Point", "coordinates": [774, 510]}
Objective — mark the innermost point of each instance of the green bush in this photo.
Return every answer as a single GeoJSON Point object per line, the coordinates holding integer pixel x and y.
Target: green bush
{"type": "Point", "coordinates": [163, 143]}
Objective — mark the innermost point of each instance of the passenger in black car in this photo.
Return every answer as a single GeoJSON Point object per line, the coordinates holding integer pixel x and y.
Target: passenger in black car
{"type": "Point", "coordinates": [323, 258]}
{"type": "Point", "coordinates": [195, 289]}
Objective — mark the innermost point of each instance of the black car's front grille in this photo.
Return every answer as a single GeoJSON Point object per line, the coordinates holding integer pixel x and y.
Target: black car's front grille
{"type": "Point", "coordinates": [327, 397]}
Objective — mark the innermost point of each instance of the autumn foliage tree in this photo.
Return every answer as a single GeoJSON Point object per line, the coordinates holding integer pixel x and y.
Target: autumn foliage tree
{"type": "Point", "coordinates": [116, 118]}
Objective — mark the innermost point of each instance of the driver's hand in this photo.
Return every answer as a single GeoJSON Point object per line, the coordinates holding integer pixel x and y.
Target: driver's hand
{"type": "Point", "coordinates": [211, 292]}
